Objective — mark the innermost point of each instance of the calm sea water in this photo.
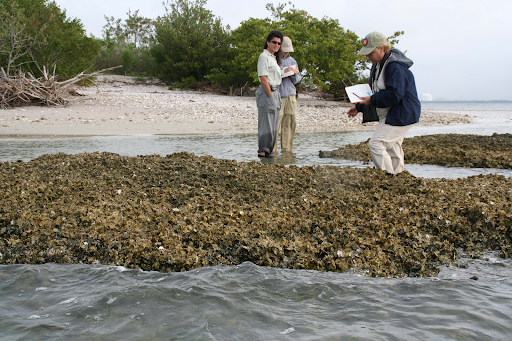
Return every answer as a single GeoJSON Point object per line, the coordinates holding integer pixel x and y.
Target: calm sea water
{"type": "Point", "coordinates": [247, 302]}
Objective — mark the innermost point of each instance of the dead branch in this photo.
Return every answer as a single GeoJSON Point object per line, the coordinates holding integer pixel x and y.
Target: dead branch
{"type": "Point", "coordinates": [23, 88]}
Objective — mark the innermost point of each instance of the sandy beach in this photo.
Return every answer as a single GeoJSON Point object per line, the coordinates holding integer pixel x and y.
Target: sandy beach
{"type": "Point", "coordinates": [118, 106]}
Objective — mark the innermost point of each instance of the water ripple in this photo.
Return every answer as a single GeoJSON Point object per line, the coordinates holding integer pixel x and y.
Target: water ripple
{"type": "Point", "coordinates": [248, 302]}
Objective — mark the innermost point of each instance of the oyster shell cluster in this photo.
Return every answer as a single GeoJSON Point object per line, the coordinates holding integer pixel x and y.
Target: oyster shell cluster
{"type": "Point", "coordinates": [179, 212]}
{"type": "Point", "coordinates": [453, 150]}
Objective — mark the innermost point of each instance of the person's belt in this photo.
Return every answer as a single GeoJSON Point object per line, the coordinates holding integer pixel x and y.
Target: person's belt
{"type": "Point", "coordinates": [274, 87]}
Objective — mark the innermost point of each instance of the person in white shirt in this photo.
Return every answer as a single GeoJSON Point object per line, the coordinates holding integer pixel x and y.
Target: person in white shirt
{"type": "Point", "coordinates": [268, 98]}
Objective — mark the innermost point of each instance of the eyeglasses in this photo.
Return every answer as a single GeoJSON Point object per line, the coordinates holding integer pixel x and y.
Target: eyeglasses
{"type": "Point", "coordinates": [275, 42]}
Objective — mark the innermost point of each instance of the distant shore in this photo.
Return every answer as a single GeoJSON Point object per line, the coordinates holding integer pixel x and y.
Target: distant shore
{"type": "Point", "coordinates": [118, 106]}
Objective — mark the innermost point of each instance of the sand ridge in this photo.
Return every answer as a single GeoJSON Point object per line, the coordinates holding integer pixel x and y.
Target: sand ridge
{"type": "Point", "coordinates": [117, 106]}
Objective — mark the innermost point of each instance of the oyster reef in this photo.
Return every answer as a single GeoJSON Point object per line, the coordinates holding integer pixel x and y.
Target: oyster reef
{"type": "Point", "coordinates": [181, 212]}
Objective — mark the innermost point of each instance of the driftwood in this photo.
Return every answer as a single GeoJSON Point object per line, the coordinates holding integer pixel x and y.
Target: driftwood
{"type": "Point", "coordinates": [24, 88]}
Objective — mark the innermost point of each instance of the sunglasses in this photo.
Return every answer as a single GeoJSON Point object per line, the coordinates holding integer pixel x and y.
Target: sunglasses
{"type": "Point", "coordinates": [275, 42]}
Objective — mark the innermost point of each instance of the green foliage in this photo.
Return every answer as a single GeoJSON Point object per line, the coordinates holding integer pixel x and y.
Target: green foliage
{"type": "Point", "coordinates": [134, 61]}
{"type": "Point", "coordinates": [139, 31]}
{"type": "Point", "coordinates": [15, 43]}
{"type": "Point", "coordinates": [128, 59]}
{"type": "Point", "coordinates": [246, 44]}
{"type": "Point", "coordinates": [393, 38]}
{"type": "Point", "coordinates": [135, 30]}
{"type": "Point", "coordinates": [127, 43]}
{"type": "Point", "coordinates": [325, 52]}
{"type": "Point", "coordinates": [186, 83]}
{"type": "Point", "coordinates": [191, 41]}
{"type": "Point", "coordinates": [187, 45]}
{"type": "Point", "coordinates": [38, 33]}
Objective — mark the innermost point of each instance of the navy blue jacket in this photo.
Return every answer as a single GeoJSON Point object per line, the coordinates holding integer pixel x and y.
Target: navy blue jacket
{"type": "Point", "coordinates": [400, 93]}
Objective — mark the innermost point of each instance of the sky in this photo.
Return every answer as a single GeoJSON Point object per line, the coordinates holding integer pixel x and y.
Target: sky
{"type": "Point", "coordinates": [458, 46]}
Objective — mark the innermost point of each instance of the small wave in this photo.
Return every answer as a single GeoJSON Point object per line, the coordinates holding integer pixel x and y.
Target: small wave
{"type": "Point", "coordinates": [69, 301]}
{"type": "Point", "coordinates": [287, 331]}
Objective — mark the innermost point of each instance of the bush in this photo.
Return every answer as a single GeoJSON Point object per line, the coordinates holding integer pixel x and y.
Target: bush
{"type": "Point", "coordinates": [127, 43]}
{"type": "Point", "coordinates": [186, 83]}
{"type": "Point", "coordinates": [239, 67]}
{"type": "Point", "coordinates": [190, 41]}
{"type": "Point", "coordinates": [324, 51]}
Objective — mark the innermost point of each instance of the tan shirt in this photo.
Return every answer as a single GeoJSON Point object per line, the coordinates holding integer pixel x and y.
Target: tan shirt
{"type": "Point", "coordinates": [267, 66]}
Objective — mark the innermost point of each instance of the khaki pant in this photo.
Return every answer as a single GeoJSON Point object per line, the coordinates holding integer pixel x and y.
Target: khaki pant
{"type": "Point", "coordinates": [386, 147]}
{"type": "Point", "coordinates": [287, 123]}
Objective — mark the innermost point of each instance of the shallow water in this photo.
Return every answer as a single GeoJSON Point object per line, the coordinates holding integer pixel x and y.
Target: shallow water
{"type": "Point", "coordinates": [490, 118]}
{"type": "Point", "coordinates": [240, 147]}
{"type": "Point", "coordinates": [248, 302]}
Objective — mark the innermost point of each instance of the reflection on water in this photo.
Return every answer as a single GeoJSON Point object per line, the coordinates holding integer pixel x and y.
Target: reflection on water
{"type": "Point", "coordinates": [283, 158]}
{"type": "Point", "coordinates": [240, 147]}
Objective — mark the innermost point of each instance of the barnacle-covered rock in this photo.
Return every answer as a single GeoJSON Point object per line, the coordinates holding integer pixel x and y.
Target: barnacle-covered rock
{"type": "Point", "coordinates": [181, 211]}
{"type": "Point", "coordinates": [454, 150]}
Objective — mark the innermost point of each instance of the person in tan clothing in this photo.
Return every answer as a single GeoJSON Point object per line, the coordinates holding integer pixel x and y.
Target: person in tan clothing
{"type": "Point", "coordinates": [288, 114]}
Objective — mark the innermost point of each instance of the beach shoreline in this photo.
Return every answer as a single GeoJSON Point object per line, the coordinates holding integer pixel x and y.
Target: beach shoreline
{"type": "Point", "coordinates": [117, 106]}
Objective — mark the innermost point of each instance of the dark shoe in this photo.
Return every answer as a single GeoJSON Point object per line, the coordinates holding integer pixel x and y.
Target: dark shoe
{"type": "Point", "coordinates": [260, 155]}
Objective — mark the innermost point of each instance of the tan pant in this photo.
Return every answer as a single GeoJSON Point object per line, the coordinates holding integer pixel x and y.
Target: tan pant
{"type": "Point", "coordinates": [386, 147]}
{"type": "Point", "coordinates": [287, 123]}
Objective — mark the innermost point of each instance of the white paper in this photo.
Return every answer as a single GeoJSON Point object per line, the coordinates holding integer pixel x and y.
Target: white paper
{"type": "Point", "coordinates": [289, 73]}
{"type": "Point", "coordinates": [361, 90]}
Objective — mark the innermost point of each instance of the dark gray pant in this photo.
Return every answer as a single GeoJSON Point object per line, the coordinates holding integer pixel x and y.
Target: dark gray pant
{"type": "Point", "coordinates": [268, 119]}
